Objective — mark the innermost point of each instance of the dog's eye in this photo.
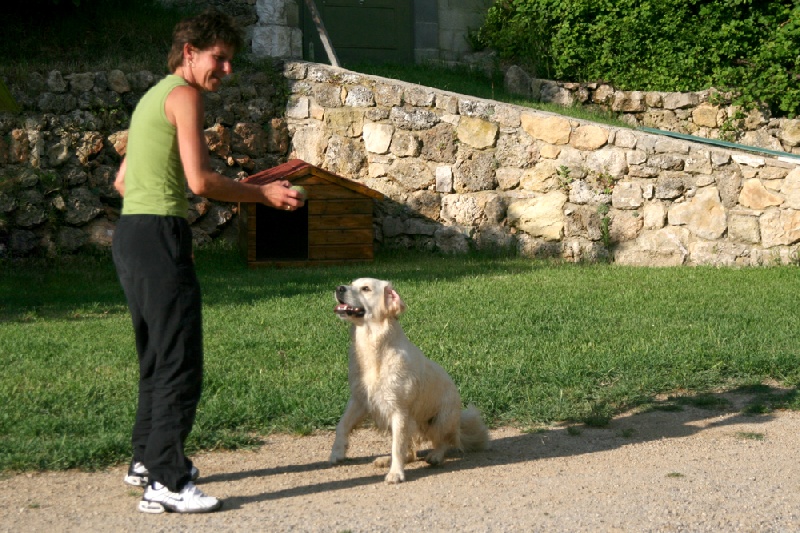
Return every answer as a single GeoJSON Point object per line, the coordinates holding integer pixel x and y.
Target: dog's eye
{"type": "Point", "coordinates": [365, 288]}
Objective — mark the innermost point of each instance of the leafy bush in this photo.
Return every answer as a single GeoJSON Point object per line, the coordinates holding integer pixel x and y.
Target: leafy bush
{"type": "Point", "coordinates": [749, 46]}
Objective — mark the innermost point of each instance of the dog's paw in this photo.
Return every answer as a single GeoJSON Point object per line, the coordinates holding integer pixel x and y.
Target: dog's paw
{"type": "Point", "coordinates": [393, 478]}
{"type": "Point", "coordinates": [435, 457]}
{"type": "Point", "coordinates": [336, 458]}
{"type": "Point", "coordinates": [433, 460]}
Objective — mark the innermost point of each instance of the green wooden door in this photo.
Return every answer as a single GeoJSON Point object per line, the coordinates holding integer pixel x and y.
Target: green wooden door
{"type": "Point", "coordinates": [361, 31]}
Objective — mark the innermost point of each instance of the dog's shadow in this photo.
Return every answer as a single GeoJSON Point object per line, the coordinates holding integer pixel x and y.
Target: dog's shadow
{"type": "Point", "coordinates": [236, 502]}
{"type": "Point", "coordinates": [665, 421]}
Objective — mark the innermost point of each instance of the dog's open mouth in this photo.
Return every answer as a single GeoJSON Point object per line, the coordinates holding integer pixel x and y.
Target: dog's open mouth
{"type": "Point", "coordinates": [348, 310]}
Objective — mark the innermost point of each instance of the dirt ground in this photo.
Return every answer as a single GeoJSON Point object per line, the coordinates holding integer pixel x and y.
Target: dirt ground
{"type": "Point", "coordinates": [692, 470]}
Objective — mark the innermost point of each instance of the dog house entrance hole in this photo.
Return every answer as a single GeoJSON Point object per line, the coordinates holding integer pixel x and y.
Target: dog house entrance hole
{"type": "Point", "coordinates": [281, 234]}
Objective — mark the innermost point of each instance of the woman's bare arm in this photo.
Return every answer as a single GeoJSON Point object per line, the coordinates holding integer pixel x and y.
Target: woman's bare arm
{"type": "Point", "coordinates": [184, 108]}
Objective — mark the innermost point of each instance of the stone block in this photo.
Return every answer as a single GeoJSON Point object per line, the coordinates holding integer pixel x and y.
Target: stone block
{"type": "Point", "coordinates": [377, 137]}
{"type": "Point", "coordinates": [660, 248]}
{"type": "Point", "coordinates": [755, 196]}
{"type": "Point", "coordinates": [551, 129]}
{"type": "Point", "coordinates": [589, 137]}
{"type": "Point", "coordinates": [744, 228]}
{"type": "Point", "coordinates": [540, 217]}
{"type": "Point", "coordinates": [627, 195]}
{"type": "Point", "coordinates": [704, 215]}
{"type": "Point", "coordinates": [476, 132]}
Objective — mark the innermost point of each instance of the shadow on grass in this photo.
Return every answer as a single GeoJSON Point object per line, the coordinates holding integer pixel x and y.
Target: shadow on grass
{"type": "Point", "coordinates": [238, 284]}
{"type": "Point", "coordinates": [38, 289]}
{"type": "Point", "coordinates": [673, 418]}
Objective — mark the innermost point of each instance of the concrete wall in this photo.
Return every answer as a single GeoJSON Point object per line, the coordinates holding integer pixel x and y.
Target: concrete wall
{"type": "Point", "coordinates": [456, 18]}
{"type": "Point", "coordinates": [440, 28]}
{"type": "Point", "coordinates": [273, 26]}
{"type": "Point", "coordinates": [277, 32]}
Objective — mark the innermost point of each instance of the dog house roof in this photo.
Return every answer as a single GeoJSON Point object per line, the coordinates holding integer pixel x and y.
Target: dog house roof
{"type": "Point", "coordinates": [297, 168]}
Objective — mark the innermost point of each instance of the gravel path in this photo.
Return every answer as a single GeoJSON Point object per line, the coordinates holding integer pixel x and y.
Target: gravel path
{"type": "Point", "coordinates": [693, 470]}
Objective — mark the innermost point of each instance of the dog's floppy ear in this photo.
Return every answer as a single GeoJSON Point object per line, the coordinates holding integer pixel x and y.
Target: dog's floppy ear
{"type": "Point", "coordinates": [394, 304]}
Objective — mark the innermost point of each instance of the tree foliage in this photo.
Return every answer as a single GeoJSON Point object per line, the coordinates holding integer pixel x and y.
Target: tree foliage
{"type": "Point", "coordinates": [749, 46]}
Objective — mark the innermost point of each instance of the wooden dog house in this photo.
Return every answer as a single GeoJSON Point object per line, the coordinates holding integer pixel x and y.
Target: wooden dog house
{"type": "Point", "coordinates": [334, 225]}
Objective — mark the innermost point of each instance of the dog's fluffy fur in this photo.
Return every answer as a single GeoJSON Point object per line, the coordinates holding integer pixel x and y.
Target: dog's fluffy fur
{"type": "Point", "coordinates": [394, 383]}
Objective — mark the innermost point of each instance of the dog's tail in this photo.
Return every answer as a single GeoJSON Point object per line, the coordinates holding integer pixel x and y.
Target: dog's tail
{"type": "Point", "coordinates": [474, 435]}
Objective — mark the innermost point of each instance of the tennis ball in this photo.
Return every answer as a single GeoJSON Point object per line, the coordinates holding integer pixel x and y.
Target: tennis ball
{"type": "Point", "coordinates": [301, 190]}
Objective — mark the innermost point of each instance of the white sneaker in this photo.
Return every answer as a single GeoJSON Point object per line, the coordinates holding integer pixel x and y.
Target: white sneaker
{"type": "Point", "coordinates": [137, 475]}
{"type": "Point", "coordinates": [158, 499]}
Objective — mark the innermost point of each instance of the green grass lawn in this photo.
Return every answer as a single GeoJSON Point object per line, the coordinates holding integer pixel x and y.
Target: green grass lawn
{"type": "Point", "coordinates": [530, 343]}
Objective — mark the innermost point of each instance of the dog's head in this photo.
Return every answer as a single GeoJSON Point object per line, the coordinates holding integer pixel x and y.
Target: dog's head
{"type": "Point", "coordinates": [367, 299]}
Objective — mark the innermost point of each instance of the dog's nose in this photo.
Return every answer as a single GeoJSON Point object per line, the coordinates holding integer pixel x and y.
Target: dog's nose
{"type": "Point", "coordinates": [341, 289]}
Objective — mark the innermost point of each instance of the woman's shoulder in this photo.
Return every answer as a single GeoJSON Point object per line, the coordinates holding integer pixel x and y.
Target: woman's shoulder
{"type": "Point", "coordinates": [186, 95]}
{"type": "Point", "coordinates": [183, 100]}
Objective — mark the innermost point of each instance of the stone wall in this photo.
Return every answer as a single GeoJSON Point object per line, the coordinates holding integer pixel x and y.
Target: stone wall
{"type": "Point", "coordinates": [58, 158]}
{"type": "Point", "coordinates": [462, 173]}
{"type": "Point", "coordinates": [708, 114]}
{"type": "Point", "coordinates": [459, 173]}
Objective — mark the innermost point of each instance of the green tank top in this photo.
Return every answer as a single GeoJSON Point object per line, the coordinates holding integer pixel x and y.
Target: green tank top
{"type": "Point", "coordinates": [154, 179]}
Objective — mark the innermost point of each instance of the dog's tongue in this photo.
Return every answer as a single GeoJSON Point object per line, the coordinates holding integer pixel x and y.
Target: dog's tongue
{"type": "Point", "coordinates": [344, 309]}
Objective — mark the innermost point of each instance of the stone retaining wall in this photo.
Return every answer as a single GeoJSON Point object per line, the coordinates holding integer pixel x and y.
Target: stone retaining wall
{"type": "Point", "coordinates": [459, 173]}
{"type": "Point", "coordinates": [464, 173]}
{"type": "Point", "coordinates": [707, 114]}
{"type": "Point", "coordinates": [58, 158]}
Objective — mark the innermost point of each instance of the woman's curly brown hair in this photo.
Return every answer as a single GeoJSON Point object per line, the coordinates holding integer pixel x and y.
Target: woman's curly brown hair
{"type": "Point", "coordinates": [202, 32]}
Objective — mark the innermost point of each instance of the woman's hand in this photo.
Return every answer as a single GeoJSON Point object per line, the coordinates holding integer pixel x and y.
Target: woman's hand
{"type": "Point", "coordinates": [280, 195]}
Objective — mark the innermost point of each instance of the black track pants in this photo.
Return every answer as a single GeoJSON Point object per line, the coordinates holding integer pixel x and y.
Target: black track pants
{"type": "Point", "coordinates": [153, 258]}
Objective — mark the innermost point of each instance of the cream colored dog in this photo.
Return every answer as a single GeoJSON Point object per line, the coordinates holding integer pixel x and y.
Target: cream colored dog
{"type": "Point", "coordinates": [394, 383]}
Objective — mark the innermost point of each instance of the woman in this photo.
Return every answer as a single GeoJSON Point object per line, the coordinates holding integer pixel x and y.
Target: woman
{"type": "Point", "coordinates": [152, 252]}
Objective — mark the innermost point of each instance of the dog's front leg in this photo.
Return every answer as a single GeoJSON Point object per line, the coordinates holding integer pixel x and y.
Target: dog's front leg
{"type": "Point", "coordinates": [353, 414]}
{"type": "Point", "coordinates": [401, 440]}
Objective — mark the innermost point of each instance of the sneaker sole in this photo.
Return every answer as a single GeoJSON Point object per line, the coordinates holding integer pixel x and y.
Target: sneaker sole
{"type": "Point", "coordinates": [135, 481]}
{"type": "Point", "coordinates": [151, 507]}
{"type": "Point", "coordinates": [146, 506]}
